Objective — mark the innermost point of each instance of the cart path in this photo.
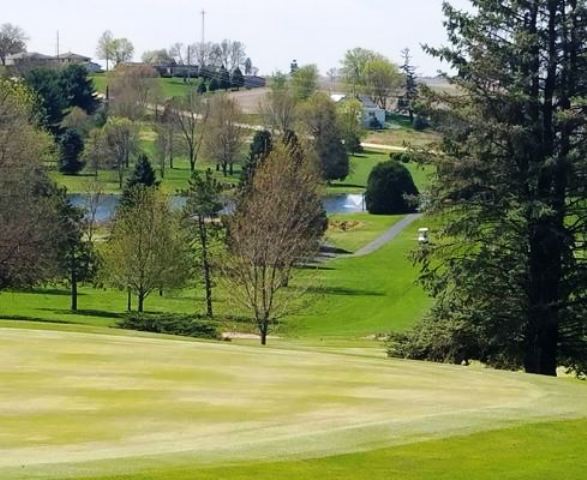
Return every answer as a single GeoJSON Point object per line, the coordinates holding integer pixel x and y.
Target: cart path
{"type": "Point", "coordinates": [388, 236]}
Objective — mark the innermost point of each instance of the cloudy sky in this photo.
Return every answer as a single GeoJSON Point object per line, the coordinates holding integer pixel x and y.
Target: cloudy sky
{"type": "Point", "coordinates": [275, 31]}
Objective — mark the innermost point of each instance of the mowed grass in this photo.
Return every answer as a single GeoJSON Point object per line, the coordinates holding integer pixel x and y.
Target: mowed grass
{"type": "Point", "coordinates": [355, 230]}
{"type": "Point", "coordinates": [364, 296]}
{"type": "Point", "coordinates": [363, 164]}
{"type": "Point", "coordinates": [90, 405]}
{"type": "Point", "coordinates": [349, 298]}
{"type": "Point", "coordinates": [554, 450]}
{"type": "Point", "coordinates": [170, 87]}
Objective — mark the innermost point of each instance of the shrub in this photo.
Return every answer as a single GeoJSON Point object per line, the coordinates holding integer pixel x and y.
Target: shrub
{"type": "Point", "coordinates": [389, 186]}
{"type": "Point", "coordinates": [71, 147]}
{"type": "Point", "coordinates": [420, 123]}
{"type": "Point", "coordinates": [403, 157]}
{"type": "Point", "coordinates": [172, 324]}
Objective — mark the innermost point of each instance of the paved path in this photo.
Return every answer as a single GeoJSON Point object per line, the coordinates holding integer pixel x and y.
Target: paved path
{"type": "Point", "coordinates": [388, 236]}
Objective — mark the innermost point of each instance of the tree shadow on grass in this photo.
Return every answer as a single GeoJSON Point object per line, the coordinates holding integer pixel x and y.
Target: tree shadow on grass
{"type": "Point", "coordinates": [85, 313]}
{"type": "Point", "coordinates": [22, 318]}
{"type": "Point", "coordinates": [341, 291]}
{"type": "Point", "coordinates": [55, 292]}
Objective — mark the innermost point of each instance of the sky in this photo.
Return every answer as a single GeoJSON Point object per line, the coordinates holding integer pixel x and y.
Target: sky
{"type": "Point", "coordinates": [275, 32]}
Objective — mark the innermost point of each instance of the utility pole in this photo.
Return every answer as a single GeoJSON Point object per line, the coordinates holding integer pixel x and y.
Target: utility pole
{"type": "Point", "coordinates": [57, 46]}
{"type": "Point", "coordinates": [203, 26]}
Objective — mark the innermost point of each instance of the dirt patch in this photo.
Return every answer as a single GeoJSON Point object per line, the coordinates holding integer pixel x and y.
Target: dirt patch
{"type": "Point", "coordinates": [345, 225]}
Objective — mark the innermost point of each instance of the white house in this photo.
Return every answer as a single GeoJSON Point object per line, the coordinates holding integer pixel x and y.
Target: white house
{"type": "Point", "coordinates": [372, 113]}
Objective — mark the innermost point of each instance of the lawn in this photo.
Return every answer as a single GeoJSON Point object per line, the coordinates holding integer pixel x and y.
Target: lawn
{"type": "Point", "coordinates": [170, 87]}
{"type": "Point", "coordinates": [362, 296]}
{"type": "Point", "coordinates": [399, 132]}
{"type": "Point", "coordinates": [351, 297]}
{"type": "Point", "coordinates": [83, 405]}
{"type": "Point", "coordinates": [363, 164]}
{"type": "Point", "coordinates": [352, 231]}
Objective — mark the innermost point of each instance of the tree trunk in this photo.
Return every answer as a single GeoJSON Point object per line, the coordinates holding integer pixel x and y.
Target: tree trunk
{"type": "Point", "coordinates": [120, 174]}
{"type": "Point", "coordinates": [224, 169]}
{"type": "Point", "coordinates": [141, 302]}
{"type": "Point", "coordinates": [231, 169]}
{"type": "Point", "coordinates": [206, 270]}
{"type": "Point", "coordinates": [544, 297]}
{"type": "Point", "coordinates": [73, 290]}
{"type": "Point", "coordinates": [263, 330]}
{"type": "Point", "coordinates": [129, 300]}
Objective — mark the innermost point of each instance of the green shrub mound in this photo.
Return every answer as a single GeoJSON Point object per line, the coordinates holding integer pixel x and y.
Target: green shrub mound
{"type": "Point", "coordinates": [172, 324]}
{"type": "Point", "coordinates": [389, 189]}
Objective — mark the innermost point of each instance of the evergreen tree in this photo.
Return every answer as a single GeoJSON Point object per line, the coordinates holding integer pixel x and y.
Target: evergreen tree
{"type": "Point", "coordinates": [260, 149]}
{"type": "Point", "coordinates": [204, 204]}
{"type": "Point", "coordinates": [223, 78]}
{"type": "Point", "coordinates": [71, 147]}
{"type": "Point", "coordinates": [143, 175]}
{"type": "Point", "coordinates": [202, 87]}
{"type": "Point", "coordinates": [79, 89]}
{"type": "Point", "coordinates": [407, 101]}
{"type": "Point", "coordinates": [51, 99]}
{"type": "Point", "coordinates": [78, 260]}
{"type": "Point", "coordinates": [510, 263]}
{"type": "Point", "coordinates": [238, 80]}
{"type": "Point", "coordinates": [214, 85]}
{"type": "Point", "coordinates": [389, 186]}
{"type": "Point", "coordinates": [248, 66]}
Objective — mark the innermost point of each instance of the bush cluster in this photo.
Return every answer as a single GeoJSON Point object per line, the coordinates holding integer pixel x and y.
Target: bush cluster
{"type": "Point", "coordinates": [172, 324]}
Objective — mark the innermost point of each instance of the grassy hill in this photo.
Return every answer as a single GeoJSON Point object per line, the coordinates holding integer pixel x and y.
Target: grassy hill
{"type": "Point", "coordinates": [89, 404]}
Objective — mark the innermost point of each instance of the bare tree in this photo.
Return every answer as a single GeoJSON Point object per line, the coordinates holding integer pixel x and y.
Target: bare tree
{"type": "Point", "coordinates": [94, 192]}
{"type": "Point", "coordinates": [121, 140]}
{"type": "Point", "coordinates": [225, 139]}
{"type": "Point", "coordinates": [191, 114]}
{"type": "Point", "coordinates": [12, 40]}
{"type": "Point", "coordinates": [105, 48]}
{"type": "Point", "coordinates": [277, 225]}
{"type": "Point", "coordinates": [134, 89]}
{"type": "Point", "coordinates": [279, 106]}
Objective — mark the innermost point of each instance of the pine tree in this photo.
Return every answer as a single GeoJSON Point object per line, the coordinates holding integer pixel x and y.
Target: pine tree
{"type": "Point", "coordinates": [71, 147]}
{"type": "Point", "coordinates": [509, 267]}
{"type": "Point", "coordinates": [142, 176]}
{"type": "Point", "coordinates": [260, 149]}
{"type": "Point", "coordinates": [203, 206]}
{"type": "Point", "coordinates": [407, 101]}
{"type": "Point", "coordinates": [224, 78]}
{"type": "Point", "coordinates": [237, 80]}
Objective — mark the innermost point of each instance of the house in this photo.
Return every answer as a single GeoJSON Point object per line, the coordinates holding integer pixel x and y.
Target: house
{"type": "Point", "coordinates": [373, 114]}
{"type": "Point", "coordinates": [25, 61]}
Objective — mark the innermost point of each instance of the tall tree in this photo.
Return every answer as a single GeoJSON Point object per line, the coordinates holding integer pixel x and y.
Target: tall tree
{"type": "Point", "coordinates": [279, 106]}
{"type": "Point", "coordinates": [79, 89]}
{"type": "Point", "coordinates": [134, 90]}
{"type": "Point", "coordinates": [51, 99]}
{"type": "Point", "coordinates": [319, 119]}
{"type": "Point", "coordinates": [147, 249]}
{"type": "Point", "coordinates": [122, 50]}
{"type": "Point", "coordinates": [353, 68]}
{"type": "Point", "coordinates": [237, 80]}
{"type": "Point", "coordinates": [105, 48]}
{"type": "Point", "coordinates": [71, 148]}
{"type": "Point", "coordinates": [382, 80]}
{"type": "Point", "coordinates": [203, 206]}
{"type": "Point", "coordinates": [408, 99]}
{"type": "Point", "coordinates": [77, 259]}
{"type": "Point", "coordinates": [225, 138]}
{"type": "Point", "coordinates": [350, 122]}
{"type": "Point", "coordinates": [121, 141]}
{"type": "Point", "coordinates": [191, 115]}
{"type": "Point", "coordinates": [28, 217]}
{"type": "Point", "coordinates": [304, 82]}
{"type": "Point", "coordinates": [248, 66]}
{"type": "Point", "coordinates": [510, 262]}
{"type": "Point", "coordinates": [272, 231]}
{"type": "Point", "coordinates": [260, 148]}
{"type": "Point", "coordinates": [12, 40]}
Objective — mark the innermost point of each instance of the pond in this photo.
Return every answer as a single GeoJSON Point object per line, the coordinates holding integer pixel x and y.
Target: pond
{"type": "Point", "coordinates": [333, 204]}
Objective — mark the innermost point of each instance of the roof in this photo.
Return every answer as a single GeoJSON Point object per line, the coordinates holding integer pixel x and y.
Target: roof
{"type": "Point", "coordinates": [74, 57]}
{"type": "Point", "coordinates": [29, 56]}
{"type": "Point", "coordinates": [364, 99]}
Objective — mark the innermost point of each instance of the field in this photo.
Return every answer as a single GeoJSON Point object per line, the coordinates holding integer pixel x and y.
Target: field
{"type": "Point", "coordinates": [80, 405]}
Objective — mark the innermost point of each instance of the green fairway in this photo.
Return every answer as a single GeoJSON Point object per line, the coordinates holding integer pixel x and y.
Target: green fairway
{"type": "Point", "coordinates": [353, 231]}
{"type": "Point", "coordinates": [79, 405]}
{"type": "Point", "coordinates": [367, 295]}
{"type": "Point", "coordinates": [170, 87]}
{"type": "Point", "coordinates": [361, 166]}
